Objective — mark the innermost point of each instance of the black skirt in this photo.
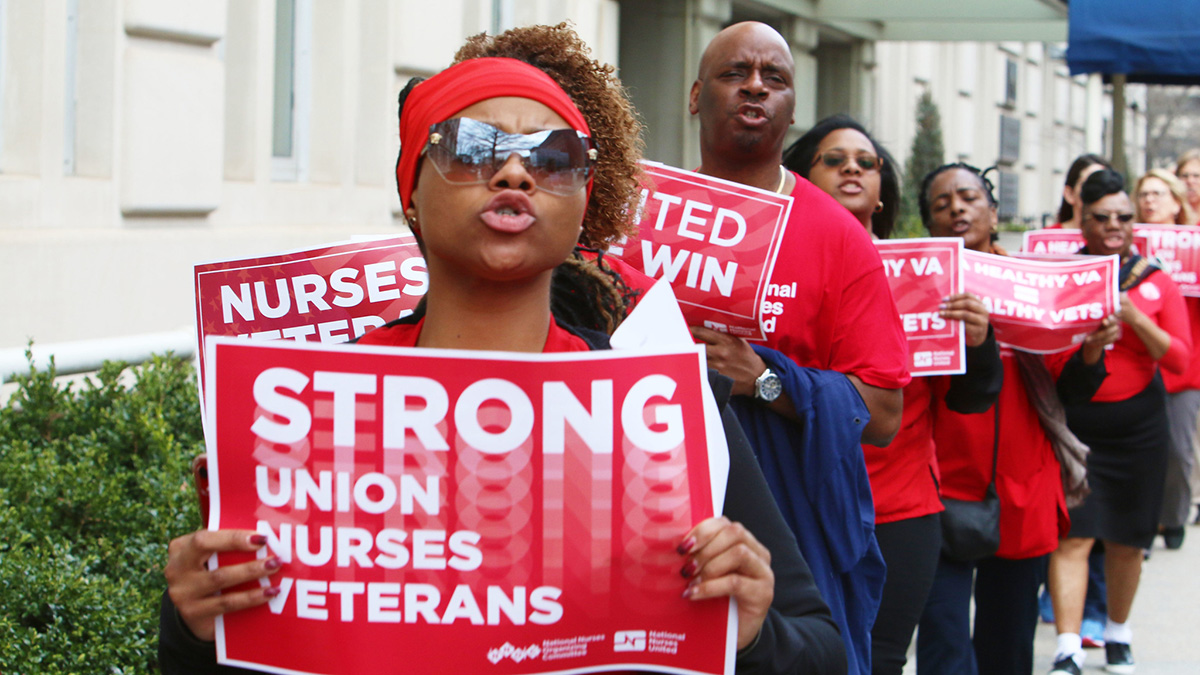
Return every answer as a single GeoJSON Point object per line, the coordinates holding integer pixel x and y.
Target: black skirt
{"type": "Point", "coordinates": [1126, 468]}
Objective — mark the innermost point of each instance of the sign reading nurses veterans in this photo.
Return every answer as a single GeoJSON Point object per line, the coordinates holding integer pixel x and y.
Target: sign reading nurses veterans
{"type": "Point", "coordinates": [327, 294]}
{"type": "Point", "coordinates": [1177, 247]}
{"type": "Point", "coordinates": [1043, 306]}
{"type": "Point", "coordinates": [921, 273]}
{"type": "Point", "coordinates": [714, 241]}
{"type": "Point", "coordinates": [465, 512]}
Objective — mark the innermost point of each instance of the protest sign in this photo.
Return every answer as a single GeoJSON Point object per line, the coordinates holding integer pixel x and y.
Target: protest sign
{"type": "Point", "coordinates": [1177, 247]}
{"type": "Point", "coordinates": [713, 240]}
{"type": "Point", "coordinates": [465, 511]}
{"type": "Point", "coordinates": [1043, 306]}
{"type": "Point", "coordinates": [326, 294]}
{"type": "Point", "coordinates": [921, 273]}
{"type": "Point", "coordinates": [1055, 241]}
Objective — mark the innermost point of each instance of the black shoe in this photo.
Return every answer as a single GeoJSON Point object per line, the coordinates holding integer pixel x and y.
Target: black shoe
{"type": "Point", "coordinates": [1173, 537]}
{"type": "Point", "coordinates": [1066, 666]}
{"type": "Point", "coordinates": [1119, 657]}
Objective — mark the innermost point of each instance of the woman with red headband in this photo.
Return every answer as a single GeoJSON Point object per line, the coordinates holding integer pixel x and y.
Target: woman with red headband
{"type": "Point", "coordinates": [500, 177]}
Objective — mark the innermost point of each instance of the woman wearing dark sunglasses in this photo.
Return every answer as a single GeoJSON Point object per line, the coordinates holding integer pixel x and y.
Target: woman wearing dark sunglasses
{"type": "Point", "coordinates": [500, 177]}
{"type": "Point", "coordinates": [841, 158]}
{"type": "Point", "coordinates": [1125, 424]}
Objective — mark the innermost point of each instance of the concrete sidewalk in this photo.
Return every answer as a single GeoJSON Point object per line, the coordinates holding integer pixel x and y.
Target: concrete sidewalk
{"type": "Point", "coordinates": [1165, 620]}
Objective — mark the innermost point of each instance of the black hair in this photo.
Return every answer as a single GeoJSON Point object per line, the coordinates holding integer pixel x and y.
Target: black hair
{"type": "Point", "coordinates": [799, 158]}
{"type": "Point", "coordinates": [923, 197]}
{"type": "Point", "coordinates": [401, 99]}
{"type": "Point", "coordinates": [1065, 211]}
{"type": "Point", "coordinates": [1101, 184]}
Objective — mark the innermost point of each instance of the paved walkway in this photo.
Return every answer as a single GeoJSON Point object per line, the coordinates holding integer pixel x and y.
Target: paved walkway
{"type": "Point", "coordinates": [1166, 617]}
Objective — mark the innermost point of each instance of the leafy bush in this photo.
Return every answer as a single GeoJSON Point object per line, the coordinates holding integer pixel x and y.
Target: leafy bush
{"type": "Point", "coordinates": [94, 481]}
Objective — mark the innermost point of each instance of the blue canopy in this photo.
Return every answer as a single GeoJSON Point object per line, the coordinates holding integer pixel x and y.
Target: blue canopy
{"type": "Point", "coordinates": [1148, 40]}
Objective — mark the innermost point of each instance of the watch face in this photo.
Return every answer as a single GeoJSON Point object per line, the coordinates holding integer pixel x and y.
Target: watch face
{"type": "Point", "coordinates": [769, 387]}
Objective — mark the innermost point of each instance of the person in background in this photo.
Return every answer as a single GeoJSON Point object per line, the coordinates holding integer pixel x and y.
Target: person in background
{"type": "Point", "coordinates": [1187, 169]}
{"type": "Point", "coordinates": [841, 158]}
{"type": "Point", "coordinates": [831, 372]}
{"type": "Point", "coordinates": [1014, 444]}
{"type": "Point", "coordinates": [1183, 394]}
{"type": "Point", "coordinates": [497, 225]}
{"type": "Point", "coordinates": [1069, 211]}
{"type": "Point", "coordinates": [1162, 199]}
{"type": "Point", "coordinates": [1125, 425]}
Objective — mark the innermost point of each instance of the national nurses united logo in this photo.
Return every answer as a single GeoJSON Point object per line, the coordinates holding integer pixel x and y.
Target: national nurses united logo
{"type": "Point", "coordinates": [629, 641]}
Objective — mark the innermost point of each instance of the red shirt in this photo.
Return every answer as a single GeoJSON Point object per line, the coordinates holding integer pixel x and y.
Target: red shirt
{"type": "Point", "coordinates": [1129, 365]}
{"type": "Point", "coordinates": [828, 304]}
{"type": "Point", "coordinates": [1033, 511]}
{"type": "Point", "coordinates": [1190, 379]}
{"type": "Point", "coordinates": [406, 334]}
{"type": "Point", "coordinates": [902, 474]}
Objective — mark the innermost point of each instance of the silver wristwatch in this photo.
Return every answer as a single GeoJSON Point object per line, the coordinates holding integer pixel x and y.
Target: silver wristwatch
{"type": "Point", "coordinates": [768, 386]}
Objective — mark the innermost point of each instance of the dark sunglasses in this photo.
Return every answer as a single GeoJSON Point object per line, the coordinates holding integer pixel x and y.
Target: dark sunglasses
{"type": "Point", "coordinates": [835, 159]}
{"type": "Point", "coordinates": [466, 151]}
{"type": "Point", "coordinates": [1103, 218]}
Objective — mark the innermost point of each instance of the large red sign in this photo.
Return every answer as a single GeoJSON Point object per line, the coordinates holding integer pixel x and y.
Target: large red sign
{"type": "Point", "coordinates": [921, 273]}
{"type": "Point", "coordinates": [714, 241]}
{"type": "Point", "coordinates": [465, 512]}
{"type": "Point", "coordinates": [328, 294]}
{"type": "Point", "coordinates": [1039, 305]}
{"type": "Point", "coordinates": [1177, 247]}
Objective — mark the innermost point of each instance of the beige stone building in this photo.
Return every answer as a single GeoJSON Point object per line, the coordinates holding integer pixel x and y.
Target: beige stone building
{"type": "Point", "coordinates": [138, 137]}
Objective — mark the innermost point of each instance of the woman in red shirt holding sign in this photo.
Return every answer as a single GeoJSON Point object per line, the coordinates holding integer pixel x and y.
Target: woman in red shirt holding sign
{"type": "Point", "coordinates": [1125, 424]}
{"type": "Point", "coordinates": [1010, 445]}
{"type": "Point", "coordinates": [841, 158]}
{"type": "Point", "coordinates": [496, 178]}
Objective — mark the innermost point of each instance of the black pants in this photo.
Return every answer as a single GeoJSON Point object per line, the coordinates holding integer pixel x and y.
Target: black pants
{"type": "Point", "coordinates": [911, 549]}
{"type": "Point", "coordinates": [1005, 618]}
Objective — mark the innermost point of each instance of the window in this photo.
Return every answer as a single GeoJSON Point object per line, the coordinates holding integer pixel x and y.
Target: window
{"type": "Point", "coordinates": [292, 98]}
{"type": "Point", "coordinates": [70, 69]}
{"type": "Point", "coordinates": [1010, 83]}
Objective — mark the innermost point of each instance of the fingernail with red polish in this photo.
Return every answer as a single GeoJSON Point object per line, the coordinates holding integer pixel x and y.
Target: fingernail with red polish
{"type": "Point", "coordinates": [689, 569]}
{"type": "Point", "coordinates": [686, 545]}
{"type": "Point", "coordinates": [258, 539]}
{"type": "Point", "coordinates": [273, 563]}
{"type": "Point", "coordinates": [271, 592]}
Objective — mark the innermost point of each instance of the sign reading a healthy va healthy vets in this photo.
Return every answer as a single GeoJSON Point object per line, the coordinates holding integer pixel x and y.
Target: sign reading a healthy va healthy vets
{"type": "Point", "coordinates": [463, 512]}
{"type": "Point", "coordinates": [328, 294]}
{"type": "Point", "coordinates": [921, 273]}
{"type": "Point", "coordinates": [1177, 247]}
{"type": "Point", "coordinates": [714, 241]}
{"type": "Point", "coordinates": [1052, 242]}
{"type": "Point", "coordinates": [1043, 306]}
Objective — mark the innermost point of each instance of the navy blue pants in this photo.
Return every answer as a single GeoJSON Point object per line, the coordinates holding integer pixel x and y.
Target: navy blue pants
{"type": "Point", "coordinates": [1005, 618]}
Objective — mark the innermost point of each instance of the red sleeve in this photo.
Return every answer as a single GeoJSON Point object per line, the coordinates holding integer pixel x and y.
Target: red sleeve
{"type": "Point", "coordinates": [869, 339]}
{"type": "Point", "coordinates": [1173, 318]}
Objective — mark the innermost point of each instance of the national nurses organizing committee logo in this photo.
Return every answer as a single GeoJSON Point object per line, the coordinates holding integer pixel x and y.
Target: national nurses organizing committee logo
{"type": "Point", "coordinates": [629, 641]}
{"type": "Point", "coordinates": [517, 654]}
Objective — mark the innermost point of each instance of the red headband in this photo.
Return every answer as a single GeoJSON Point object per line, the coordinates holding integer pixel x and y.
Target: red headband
{"type": "Point", "coordinates": [441, 96]}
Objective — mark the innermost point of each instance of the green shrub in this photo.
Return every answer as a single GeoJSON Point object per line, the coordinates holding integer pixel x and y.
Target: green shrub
{"type": "Point", "coordinates": [95, 480]}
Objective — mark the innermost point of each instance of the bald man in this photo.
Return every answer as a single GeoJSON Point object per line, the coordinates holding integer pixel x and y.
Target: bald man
{"type": "Point", "coordinates": [831, 372]}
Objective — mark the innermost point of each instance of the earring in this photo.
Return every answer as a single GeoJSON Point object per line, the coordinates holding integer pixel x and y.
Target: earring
{"type": "Point", "coordinates": [411, 216]}
{"type": "Point", "coordinates": [879, 207]}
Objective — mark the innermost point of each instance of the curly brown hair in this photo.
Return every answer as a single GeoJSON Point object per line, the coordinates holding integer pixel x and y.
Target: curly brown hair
{"type": "Point", "coordinates": [601, 98]}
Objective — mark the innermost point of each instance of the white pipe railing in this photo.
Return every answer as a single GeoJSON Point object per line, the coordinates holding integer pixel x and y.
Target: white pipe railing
{"type": "Point", "coordinates": [85, 356]}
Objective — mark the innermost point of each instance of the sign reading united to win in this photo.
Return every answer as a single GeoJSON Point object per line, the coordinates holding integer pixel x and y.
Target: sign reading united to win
{"type": "Point", "coordinates": [713, 240]}
{"type": "Point", "coordinates": [448, 511]}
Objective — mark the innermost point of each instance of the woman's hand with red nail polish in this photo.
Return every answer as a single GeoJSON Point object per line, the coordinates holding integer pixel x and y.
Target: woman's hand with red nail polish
{"type": "Point", "coordinates": [193, 587]}
{"type": "Point", "coordinates": [727, 561]}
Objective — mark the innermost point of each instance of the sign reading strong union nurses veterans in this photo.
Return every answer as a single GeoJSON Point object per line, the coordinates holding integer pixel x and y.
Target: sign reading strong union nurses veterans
{"type": "Point", "coordinates": [465, 512]}
{"type": "Point", "coordinates": [921, 272]}
{"type": "Point", "coordinates": [1177, 247]}
{"type": "Point", "coordinates": [714, 241]}
{"type": "Point", "coordinates": [1043, 306]}
{"type": "Point", "coordinates": [327, 294]}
